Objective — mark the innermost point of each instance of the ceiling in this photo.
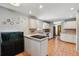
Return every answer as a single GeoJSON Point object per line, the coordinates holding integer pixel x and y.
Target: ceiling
{"type": "Point", "coordinates": [49, 12]}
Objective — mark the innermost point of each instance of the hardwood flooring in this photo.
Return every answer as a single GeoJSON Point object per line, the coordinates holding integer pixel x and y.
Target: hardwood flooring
{"type": "Point", "coordinates": [60, 48]}
{"type": "Point", "coordinates": [57, 47]}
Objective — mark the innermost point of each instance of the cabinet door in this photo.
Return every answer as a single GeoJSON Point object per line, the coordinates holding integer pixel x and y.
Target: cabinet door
{"type": "Point", "coordinates": [27, 45]}
{"type": "Point", "coordinates": [35, 48]}
{"type": "Point", "coordinates": [33, 23]}
{"type": "Point", "coordinates": [44, 47]}
{"type": "Point", "coordinates": [46, 26]}
{"type": "Point", "coordinates": [77, 43]}
{"type": "Point", "coordinates": [39, 25]}
{"type": "Point", "coordinates": [62, 36]}
{"type": "Point", "coordinates": [69, 25]}
{"type": "Point", "coordinates": [74, 38]}
{"type": "Point", "coordinates": [69, 38]}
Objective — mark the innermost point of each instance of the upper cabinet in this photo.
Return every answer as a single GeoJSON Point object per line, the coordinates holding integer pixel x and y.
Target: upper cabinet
{"type": "Point", "coordinates": [38, 24]}
{"type": "Point", "coordinates": [32, 23]}
{"type": "Point", "coordinates": [46, 26]}
{"type": "Point", "coordinates": [69, 25]}
{"type": "Point", "coordinates": [35, 24]}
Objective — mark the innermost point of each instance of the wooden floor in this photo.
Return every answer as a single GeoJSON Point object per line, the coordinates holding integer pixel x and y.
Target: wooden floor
{"type": "Point", "coordinates": [57, 47]}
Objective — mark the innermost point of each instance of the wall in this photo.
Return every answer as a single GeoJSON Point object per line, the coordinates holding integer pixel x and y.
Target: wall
{"type": "Point", "coordinates": [18, 22]}
{"type": "Point", "coordinates": [0, 45]}
{"type": "Point", "coordinates": [77, 31]}
{"type": "Point", "coordinates": [51, 30]}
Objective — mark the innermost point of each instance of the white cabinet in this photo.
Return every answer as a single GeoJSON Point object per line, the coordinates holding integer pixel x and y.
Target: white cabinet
{"type": "Point", "coordinates": [36, 47]}
{"type": "Point", "coordinates": [77, 43]}
{"type": "Point", "coordinates": [74, 38]}
{"type": "Point", "coordinates": [39, 48]}
{"type": "Point", "coordinates": [68, 37]}
{"type": "Point", "coordinates": [27, 45]}
{"type": "Point", "coordinates": [69, 25]}
{"type": "Point", "coordinates": [39, 25]}
{"type": "Point", "coordinates": [44, 47]}
{"type": "Point", "coordinates": [32, 23]}
{"type": "Point", "coordinates": [46, 26]}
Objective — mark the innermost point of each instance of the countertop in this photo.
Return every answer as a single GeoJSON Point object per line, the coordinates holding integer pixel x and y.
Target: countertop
{"type": "Point", "coordinates": [32, 38]}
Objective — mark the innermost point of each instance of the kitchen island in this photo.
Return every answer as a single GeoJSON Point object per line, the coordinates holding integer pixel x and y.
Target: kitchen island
{"type": "Point", "coordinates": [36, 45]}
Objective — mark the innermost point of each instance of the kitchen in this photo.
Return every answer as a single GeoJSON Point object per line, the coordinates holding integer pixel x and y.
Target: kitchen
{"type": "Point", "coordinates": [38, 34]}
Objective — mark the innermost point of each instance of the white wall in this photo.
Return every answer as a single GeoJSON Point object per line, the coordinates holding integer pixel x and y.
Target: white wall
{"type": "Point", "coordinates": [77, 31]}
{"type": "Point", "coordinates": [51, 29]}
{"type": "Point", "coordinates": [15, 18]}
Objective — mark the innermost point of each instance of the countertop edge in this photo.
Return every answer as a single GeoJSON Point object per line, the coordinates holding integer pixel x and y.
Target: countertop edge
{"type": "Point", "coordinates": [34, 38]}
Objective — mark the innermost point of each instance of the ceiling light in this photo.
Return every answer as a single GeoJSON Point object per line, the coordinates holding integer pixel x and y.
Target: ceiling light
{"type": "Point", "coordinates": [15, 4]}
{"type": "Point", "coordinates": [41, 6]}
{"type": "Point", "coordinates": [70, 16]}
{"type": "Point", "coordinates": [30, 12]}
{"type": "Point", "coordinates": [71, 8]}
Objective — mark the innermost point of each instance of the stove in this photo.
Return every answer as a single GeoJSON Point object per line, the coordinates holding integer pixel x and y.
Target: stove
{"type": "Point", "coordinates": [38, 36]}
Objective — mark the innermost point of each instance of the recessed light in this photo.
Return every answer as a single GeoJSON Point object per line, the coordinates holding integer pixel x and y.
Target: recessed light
{"type": "Point", "coordinates": [15, 4]}
{"type": "Point", "coordinates": [71, 8]}
{"type": "Point", "coordinates": [41, 6]}
{"type": "Point", "coordinates": [30, 12]}
{"type": "Point", "coordinates": [70, 16]}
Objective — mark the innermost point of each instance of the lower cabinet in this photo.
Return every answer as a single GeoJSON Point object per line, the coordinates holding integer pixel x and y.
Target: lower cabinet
{"type": "Point", "coordinates": [77, 47]}
{"type": "Point", "coordinates": [36, 48]}
{"type": "Point", "coordinates": [44, 47]}
{"type": "Point", "coordinates": [27, 45]}
{"type": "Point", "coordinates": [68, 38]}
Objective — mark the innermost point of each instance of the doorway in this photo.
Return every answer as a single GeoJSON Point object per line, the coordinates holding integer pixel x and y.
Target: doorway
{"type": "Point", "coordinates": [56, 30]}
